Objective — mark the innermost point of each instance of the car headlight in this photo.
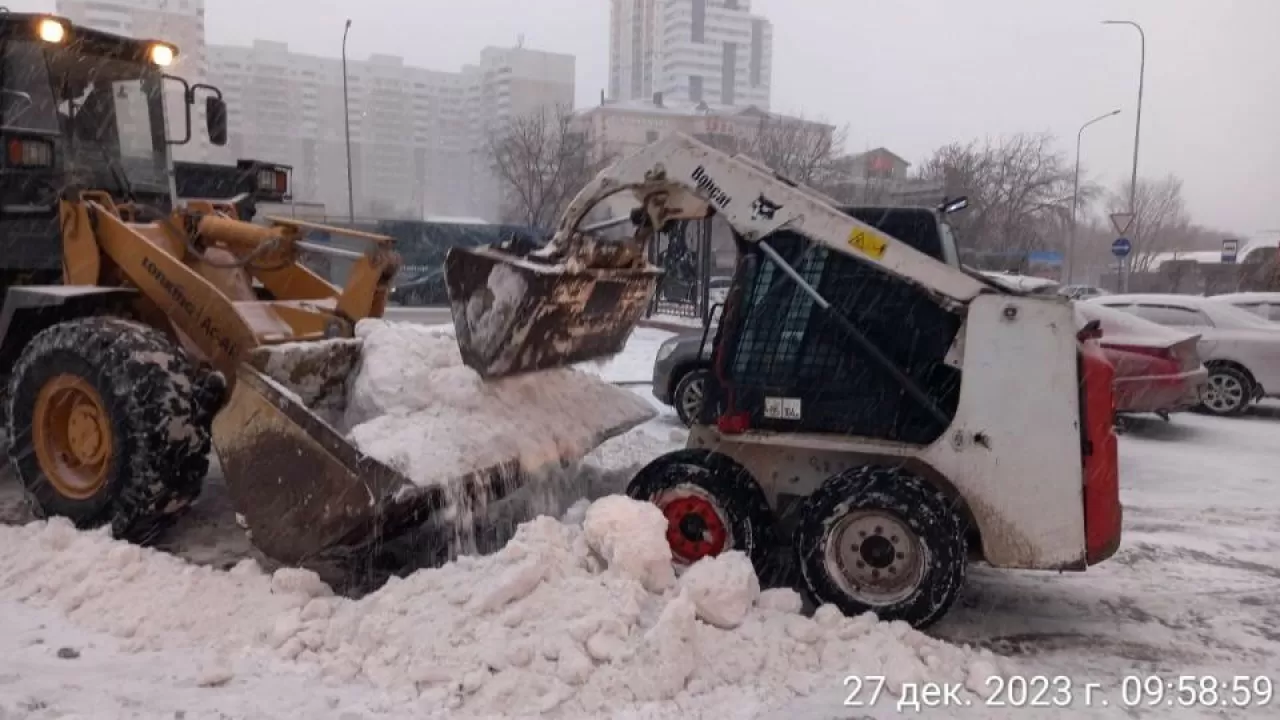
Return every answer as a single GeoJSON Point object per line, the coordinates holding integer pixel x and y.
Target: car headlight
{"type": "Point", "coordinates": [665, 350]}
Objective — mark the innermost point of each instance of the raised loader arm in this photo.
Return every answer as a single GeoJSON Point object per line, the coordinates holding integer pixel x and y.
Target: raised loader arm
{"type": "Point", "coordinates": [506, 323]}
{"type": "Point", "coordinates": [696, 178]}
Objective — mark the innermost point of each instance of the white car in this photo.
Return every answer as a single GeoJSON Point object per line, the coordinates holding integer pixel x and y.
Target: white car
{"type": "Point", "coordinates": [1023, 283]}
{"type": "Point", "coordinates": [1265, 305]}
{"type": "Point", "coordinates": [1240, 349]}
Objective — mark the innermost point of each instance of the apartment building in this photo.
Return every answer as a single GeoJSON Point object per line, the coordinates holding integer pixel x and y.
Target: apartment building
{"type": "Point", "coordinates": [180, 22]}
{"type": "Point", "coordinates": [417, 135]}
{"type": "Point", "coordinates": [619, 129]}
{"type": "Point", "coordinates": [714, 52]}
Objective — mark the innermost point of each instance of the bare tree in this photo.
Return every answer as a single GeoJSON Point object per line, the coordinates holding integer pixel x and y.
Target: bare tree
{"type": "Point", "coordinates": [796, 148]}
{"type": "Point", "coordinates": [1019, 191]}
{"type": "Point", "coordinates": [799, 149]}
{"type": "Point", "coordinates": [541, 160]}
{"type": "Point", "coordinates": [1160, 220]}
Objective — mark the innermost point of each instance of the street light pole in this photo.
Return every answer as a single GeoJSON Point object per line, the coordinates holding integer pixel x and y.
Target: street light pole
{"type": "Point", "coordinates": [346, 119]}
{"type": "Point", "coordinates": [1075, 196]}
{"type": "Point", "coordinates": [1137, 132]}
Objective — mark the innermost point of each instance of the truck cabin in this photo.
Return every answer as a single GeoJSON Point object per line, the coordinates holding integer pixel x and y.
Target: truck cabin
{"type": "Point", "coordinates": [81, 109]}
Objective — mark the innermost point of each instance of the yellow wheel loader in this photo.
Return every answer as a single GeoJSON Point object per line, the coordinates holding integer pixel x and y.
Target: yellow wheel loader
{"type": "Point", "coordinates": [133, 325]}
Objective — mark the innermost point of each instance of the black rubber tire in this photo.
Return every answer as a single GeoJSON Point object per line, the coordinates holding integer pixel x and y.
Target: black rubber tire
{"type": "Point", "coordinates": [739, 499]}
{"type": "Point", "coordinates": [1239, 376]}
{"type": "Point", "coordinates": [160, 407]}
{"type": "Point", "coordinates": [927, 512]}
{"type": "Point", "coordinates": [692, 381]}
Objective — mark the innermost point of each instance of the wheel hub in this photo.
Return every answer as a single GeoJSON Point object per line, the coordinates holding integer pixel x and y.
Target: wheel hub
{"type": "Point", "coordinates": [876, 556]}
{"type": "Point", "coordinates": [1223, 392]}
{"type": "Point", "coordinates": [696, 526]}
{"type": "Point", "coordinates": [72, 436]}
{"type": "Point", "coordinates": [691, 400]}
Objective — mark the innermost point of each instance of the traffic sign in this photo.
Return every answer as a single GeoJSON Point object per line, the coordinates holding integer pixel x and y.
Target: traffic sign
{"type": "Point", "coordinates": [1121, 222]}
{"type": "Point", "coordinates": [1121, 247]}
{"type": "Point", "coordinates": [1230, 247]}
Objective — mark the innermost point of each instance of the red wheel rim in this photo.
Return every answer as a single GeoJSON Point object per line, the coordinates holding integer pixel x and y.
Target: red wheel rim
{"type": "Point", "coordinates": [695, 527]}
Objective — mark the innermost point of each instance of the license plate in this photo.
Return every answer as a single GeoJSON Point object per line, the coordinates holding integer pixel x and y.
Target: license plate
{"type": "Point", "coordinates": [777, 408]}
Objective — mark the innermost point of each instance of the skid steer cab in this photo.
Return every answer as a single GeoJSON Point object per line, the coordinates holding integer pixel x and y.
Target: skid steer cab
{"type": "Point", "coordinates": [875, 419]}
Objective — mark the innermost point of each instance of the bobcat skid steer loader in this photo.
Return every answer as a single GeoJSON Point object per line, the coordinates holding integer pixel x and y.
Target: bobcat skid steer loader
{"type": "Point", "coordinates": [874, 416]}
{"type": "Point", "coordinates": [135, 329]}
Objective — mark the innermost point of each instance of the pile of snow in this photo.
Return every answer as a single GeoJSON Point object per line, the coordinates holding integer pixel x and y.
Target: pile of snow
{"type": "Point", "coordinates": [573, 620]}
{"type": "Point", "coordinates": [413, 405]}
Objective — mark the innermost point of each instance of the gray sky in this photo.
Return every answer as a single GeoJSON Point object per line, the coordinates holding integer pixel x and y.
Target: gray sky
{"type": "Point", "coordinates": [914, 74]}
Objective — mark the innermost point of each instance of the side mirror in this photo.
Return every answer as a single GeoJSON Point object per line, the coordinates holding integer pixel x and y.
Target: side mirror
{"type": "Point", "coordinates": [215, 116]}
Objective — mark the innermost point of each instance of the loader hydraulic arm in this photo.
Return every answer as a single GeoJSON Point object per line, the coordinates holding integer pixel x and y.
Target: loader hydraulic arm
{"type": "Point", "coordinates": [692, 180]}
{"type": "Point", "coordinates": [178, 278]}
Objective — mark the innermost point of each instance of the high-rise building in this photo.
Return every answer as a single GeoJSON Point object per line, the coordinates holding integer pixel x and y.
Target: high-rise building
{"type": "Point", "coordinates": [417, 135]}
{"type": "Point", "coordinates": [180, 22]}
{"type": "Point", "coordinates": [692, 51]}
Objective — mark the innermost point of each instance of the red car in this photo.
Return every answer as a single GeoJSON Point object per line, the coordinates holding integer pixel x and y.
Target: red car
{"type": "Point", "coordinates": [1158, 369]}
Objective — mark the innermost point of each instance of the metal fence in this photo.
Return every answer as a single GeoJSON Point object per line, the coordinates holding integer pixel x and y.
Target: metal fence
{"type": "Point", "coordinates": [684, 254]}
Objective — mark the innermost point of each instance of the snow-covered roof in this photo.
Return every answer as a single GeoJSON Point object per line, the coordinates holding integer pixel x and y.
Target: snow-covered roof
{"type": "Point", "coordinates": [1209, 257]}
{"type": "Point", "coordinates": [1020, 283]}
{"type": "Point", "coordinates": [456, 220]}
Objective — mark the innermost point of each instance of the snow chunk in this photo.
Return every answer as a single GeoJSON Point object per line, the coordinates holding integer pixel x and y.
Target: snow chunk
{"type": "Point", "coordinates": [416, 407]}
{"type": "Point", "coordinates": [631, 536]}
{"type": "Point", "coordinates": [722, 588]}
{"type": "Point", "coordinates": [783, 600]}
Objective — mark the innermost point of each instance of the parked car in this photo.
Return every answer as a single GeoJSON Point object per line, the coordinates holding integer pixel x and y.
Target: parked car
{"type": "Point", "coordinates": [718, 288]}
{"type": "Point", "coordinates": [1240, 349]}
{"type": "Point", "coordinates": [1265, 305]}
{"type": "Point", "coordinates": [1081, 292]}
{"type": "Point", "coordinates": [1029, 284]}
{"type": "Point", "coordinates": [1158, 369]}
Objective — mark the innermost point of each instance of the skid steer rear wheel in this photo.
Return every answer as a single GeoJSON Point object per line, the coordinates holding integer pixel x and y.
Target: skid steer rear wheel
{"type": "Point", "coordinates": [882, 540]}
{"type": "Point", "coordinates": [110, 425]}
{"type": "Point", "coordinates": [712, 505]}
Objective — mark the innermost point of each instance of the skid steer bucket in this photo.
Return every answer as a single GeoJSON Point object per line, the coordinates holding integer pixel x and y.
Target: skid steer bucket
{"type": "Point", "coordinates": [304, 491]}
{"type": "Point", "coordinates": [517, 314]}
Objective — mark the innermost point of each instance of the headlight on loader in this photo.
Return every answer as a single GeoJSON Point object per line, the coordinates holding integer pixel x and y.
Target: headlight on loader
{"type": "Point", "coordinates": [162, 55]}
{"type": "Point", "coordinates": [52, 31]}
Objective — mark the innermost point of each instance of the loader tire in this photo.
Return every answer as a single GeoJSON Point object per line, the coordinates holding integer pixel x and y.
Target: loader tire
{"type": "Point", "coordinates": [712, 505]}
{"type": "Point", "coordinates": [110, 425]}
{"type": "Point", "coordinates": [882, 540]}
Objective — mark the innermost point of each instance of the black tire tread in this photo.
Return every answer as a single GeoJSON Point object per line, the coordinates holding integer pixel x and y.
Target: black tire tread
{"type": "Point", "coordinates": [927, 510]}
{"type": "Point", "coordinates": [750, 518]}
{"type": "Point", "coordinates": [161, 407]}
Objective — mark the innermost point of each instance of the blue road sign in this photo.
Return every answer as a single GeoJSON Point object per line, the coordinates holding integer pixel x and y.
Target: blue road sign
{"type": "Point", "coordinates": [1229, 249]}
{"type": "Point", "coordinates": [1121, 247]}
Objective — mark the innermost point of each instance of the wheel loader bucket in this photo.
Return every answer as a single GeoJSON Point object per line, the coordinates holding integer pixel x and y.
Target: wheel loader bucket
{"type": "Point", "coordinates": [513, 315]}
{"type": "Point", "coordinates": [304, 491]}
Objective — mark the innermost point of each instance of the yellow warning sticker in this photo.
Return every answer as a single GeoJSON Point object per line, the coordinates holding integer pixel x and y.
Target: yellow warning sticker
{"type": "Point", "coordinates": [867, 243]}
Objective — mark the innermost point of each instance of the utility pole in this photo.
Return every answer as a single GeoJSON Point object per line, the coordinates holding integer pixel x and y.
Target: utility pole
{"type": "Point", "coordinates": [1137, 132]}
{"type": "Point", "coordinates": [1075, 197]}
{"type": "Point", "coordinates": [346, 119]}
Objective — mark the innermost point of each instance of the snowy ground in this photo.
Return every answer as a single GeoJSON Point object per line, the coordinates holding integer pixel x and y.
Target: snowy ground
{"type": "Point", "coordinates": [1194, 590]}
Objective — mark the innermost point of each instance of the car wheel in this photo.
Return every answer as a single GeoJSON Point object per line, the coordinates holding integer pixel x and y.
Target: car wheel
{"type": "Point", "coordinates": [1227, 392]}
{"type": "Point", "coordinates": [689, 395]}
